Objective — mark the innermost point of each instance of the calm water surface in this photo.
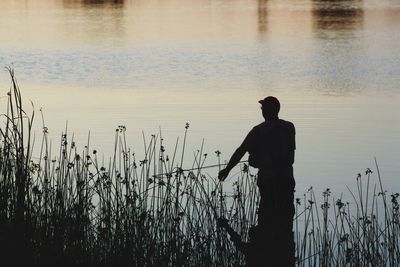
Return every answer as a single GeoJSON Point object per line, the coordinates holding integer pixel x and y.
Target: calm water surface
{"type": "Point", "coordinates": [335, 66]}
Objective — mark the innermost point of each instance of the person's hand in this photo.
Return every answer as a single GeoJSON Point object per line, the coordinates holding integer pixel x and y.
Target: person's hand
{"type": "Point", "coordinates": [223, 174]}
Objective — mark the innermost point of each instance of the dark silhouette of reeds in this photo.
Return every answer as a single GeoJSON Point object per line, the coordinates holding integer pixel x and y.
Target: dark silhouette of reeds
{"type": "Point", "coordinates": [73, 209]}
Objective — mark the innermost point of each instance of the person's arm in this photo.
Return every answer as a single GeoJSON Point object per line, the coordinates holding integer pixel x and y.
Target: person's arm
{"type": "Point", "coordinates": [236, 157]}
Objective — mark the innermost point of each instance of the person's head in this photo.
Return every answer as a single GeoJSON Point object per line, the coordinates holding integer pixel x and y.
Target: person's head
{"type": "Point", "coordinates": [270, 107]}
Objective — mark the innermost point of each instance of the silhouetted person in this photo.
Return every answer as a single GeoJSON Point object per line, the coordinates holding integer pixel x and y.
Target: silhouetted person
{"type": "Point", "coordinates": [271, 146]}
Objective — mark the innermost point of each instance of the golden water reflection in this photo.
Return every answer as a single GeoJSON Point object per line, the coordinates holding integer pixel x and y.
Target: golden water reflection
{"type": "Point", "coordinates": [137, 22]}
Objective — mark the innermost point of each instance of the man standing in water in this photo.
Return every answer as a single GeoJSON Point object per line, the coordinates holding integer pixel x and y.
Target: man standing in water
{"type": "Point", "coordinates": [271, 146]}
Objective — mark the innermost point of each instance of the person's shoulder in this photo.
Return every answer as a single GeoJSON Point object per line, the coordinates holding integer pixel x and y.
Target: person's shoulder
{"type": "Point", "coordinates": [260, 126]}
{"type": "Point", "coordinates": [287, 125]}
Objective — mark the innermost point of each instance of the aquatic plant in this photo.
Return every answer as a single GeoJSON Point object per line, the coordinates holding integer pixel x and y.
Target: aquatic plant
{"type": "Point", "coordinates": [361, 232]}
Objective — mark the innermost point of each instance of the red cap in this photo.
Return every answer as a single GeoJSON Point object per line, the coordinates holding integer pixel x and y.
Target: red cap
{"type": "Point", "coordinates": [271, 104]}
{"type": "Point", "coordinates": [269, 100]}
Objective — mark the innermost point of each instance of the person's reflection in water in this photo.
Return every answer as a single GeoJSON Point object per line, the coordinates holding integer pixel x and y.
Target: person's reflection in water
{"type": "Point", "coordinates": [271, 146]}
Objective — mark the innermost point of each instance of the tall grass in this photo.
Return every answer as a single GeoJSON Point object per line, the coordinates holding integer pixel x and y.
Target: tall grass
{"type": "Point", "coordinates": [72, 208]}
{"type": "Point", "coordinates": [364, 232]}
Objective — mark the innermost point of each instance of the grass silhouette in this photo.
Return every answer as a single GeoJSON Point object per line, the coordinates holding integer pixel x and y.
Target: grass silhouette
{"type": "Point", "coordinates": [73, 209]}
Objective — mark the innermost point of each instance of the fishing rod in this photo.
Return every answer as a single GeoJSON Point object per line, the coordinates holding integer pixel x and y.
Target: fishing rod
{"type": "Point", "coordinates": [197, 168]}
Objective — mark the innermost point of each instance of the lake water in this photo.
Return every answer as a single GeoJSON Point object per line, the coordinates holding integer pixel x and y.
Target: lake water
{"type": "Point", "coordinates": [145, 64]}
